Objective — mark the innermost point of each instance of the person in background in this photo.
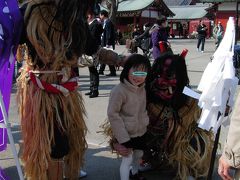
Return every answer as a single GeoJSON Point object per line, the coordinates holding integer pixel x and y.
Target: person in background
{"type": "Point", "coordinates": [107, 40]}
{"type": "Point", "coordinates": [145, 34]}
{"type": "Point", "coordinates": [119, 36]}
{"type": "Point", "coordinates": [185, 31]}
{"type": "Point", "coordinates": [158, 33]}
{"type": "Point", "coordinates": [218, 33]}
{"type": "Point", "coordinates": [231, 154]}
{"type": "Point", "coordinates": [96, 30]}
{"type": "Point", "coordinates": [136, 32]}
{"type": "Point", "coordinates": [144, 40]}
{"type": "Point", "coordinates": [202, 33]}
{"type": "Point", "coordinates": [180, 29]}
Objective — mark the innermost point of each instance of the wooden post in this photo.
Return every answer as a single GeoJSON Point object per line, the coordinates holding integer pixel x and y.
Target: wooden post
{"type": "Point", "coordinates": [171, 29]}
{"type": "Point", "coordinates": [134, 20]}
{"type": "Point", "coordinates": [213, 157]}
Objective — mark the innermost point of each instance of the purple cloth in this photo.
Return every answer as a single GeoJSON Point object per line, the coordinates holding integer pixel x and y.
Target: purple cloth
{"type": "Point", "coordinates": [10, 31]}
{"type": "Point", "coordinates": [2, 175]}
{"type": "Point", "coordinates": [157, 36]}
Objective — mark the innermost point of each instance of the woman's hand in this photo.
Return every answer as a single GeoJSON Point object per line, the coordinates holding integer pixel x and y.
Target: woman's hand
{"type": "Point", "coordinates": [122, 150]}
{"type": "Point", "coordinates": [223, 169]}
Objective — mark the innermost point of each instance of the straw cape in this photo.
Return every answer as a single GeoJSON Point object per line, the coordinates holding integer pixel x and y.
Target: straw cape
{"type": "Point", "coordinates": [186, 147]}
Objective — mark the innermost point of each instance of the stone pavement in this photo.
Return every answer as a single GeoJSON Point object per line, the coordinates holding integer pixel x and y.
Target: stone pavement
{"type": "Point", "coordinates": [101, 164]}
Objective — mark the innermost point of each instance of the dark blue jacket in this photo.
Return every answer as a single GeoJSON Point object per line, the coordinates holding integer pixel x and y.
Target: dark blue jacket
{"type": "Point", "coordinates": [108, 34]}
{"type": "Point", "coordinates": [96, 30]}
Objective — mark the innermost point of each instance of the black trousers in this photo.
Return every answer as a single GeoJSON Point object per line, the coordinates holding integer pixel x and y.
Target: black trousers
{"type": "Point", "coordinates": [61, 147]}
{"type": "Point", "coordinates": [111, 68]}
{"type": "Point", "coordinates": [140, 142]}
{"type": "Point", "coordinates": [201, 40]}
{"type": "Point", "coordinates": [94, 78]}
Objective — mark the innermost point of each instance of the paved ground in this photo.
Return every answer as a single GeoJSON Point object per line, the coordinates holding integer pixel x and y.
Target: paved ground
{"type": "Point", "coordinates": [101, 164]}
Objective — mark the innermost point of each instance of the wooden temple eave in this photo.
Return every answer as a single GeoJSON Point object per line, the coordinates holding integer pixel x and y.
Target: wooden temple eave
{"type": "Point", "coordinates": [129, 13]}
{"type": "Point", "coordinates": [163, 8]}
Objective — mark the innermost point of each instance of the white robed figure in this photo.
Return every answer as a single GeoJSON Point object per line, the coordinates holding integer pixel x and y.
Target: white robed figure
{"type": "Point", "coordinates": [218, 83]}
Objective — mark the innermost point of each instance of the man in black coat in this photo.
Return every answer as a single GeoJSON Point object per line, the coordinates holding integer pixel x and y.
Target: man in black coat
{"type": "Point", "coordinates": [96, 30]}
{"type": "Point", "coordinates": [202, 33]}
{"type": "Point", "coordinates": [108, 39]}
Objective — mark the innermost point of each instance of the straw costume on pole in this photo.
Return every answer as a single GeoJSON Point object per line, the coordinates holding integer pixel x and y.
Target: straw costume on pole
{"type": "Point", "coordinates": [51, 109]}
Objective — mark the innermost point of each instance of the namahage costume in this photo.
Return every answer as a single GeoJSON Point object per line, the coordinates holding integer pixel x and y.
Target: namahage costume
{"type": "Point", "coordinates": [174, 140]}
{"type": "Point", "coordinates": [177, 141]}
{"type": "Point", "coordinates": [51, 109]}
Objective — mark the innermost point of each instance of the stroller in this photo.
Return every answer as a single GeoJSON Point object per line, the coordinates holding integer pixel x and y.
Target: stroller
{"type": "Point", "coordinates": [144, 44]}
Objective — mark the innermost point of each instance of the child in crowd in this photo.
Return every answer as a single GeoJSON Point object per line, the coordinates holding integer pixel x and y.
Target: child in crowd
{"type": "Point", "coordinates": [128, 115]}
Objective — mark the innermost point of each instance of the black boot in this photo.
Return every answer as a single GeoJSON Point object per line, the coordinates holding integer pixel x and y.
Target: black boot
{"type": "Point", "coordinates": [94, 94]}
{"type": "Point", "coordinates": [94, 81]}
{"type": "Point", "coordinates": [88, 93]}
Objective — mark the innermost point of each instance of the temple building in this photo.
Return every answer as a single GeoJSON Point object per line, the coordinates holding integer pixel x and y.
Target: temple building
{"type": "Point", "coordinates": [139, 12]}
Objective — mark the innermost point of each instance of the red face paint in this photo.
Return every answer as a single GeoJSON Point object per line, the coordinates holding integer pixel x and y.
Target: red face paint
{"type": "Point", "coordinates": [164, 86]}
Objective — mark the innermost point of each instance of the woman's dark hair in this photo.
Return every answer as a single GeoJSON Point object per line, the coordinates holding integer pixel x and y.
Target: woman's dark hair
{"type": "Point", "coordinates": [177, 67]}
{"type": "Point", "coordinates": [104, 13]}
{"type": "Point", "coordinates": [134, 61]}
{"type": "Point", "coordinates": [94, 10]}
{"type": "Point", "coordinates": [161, 20]}
{"type": "Point", "coordinates": [147, 24]}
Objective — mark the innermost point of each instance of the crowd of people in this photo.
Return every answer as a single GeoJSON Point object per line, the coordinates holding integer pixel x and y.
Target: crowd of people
{"type": "Point", "coordinates": [151, 35]}
{"type": "Point", "coordinates": [149, 118]}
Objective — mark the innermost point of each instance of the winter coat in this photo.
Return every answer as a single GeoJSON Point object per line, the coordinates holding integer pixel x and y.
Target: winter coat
{"type": "Point", "coordinates": [231, 151]}
{"type": "Point", "coordinates": [202, 31]}
{"type": "Point", "coordinates": [108, 38]}
{"type": "Point", "coordinates": [127, 112]}
{"type": "Point", "coordinates": [96, 30]}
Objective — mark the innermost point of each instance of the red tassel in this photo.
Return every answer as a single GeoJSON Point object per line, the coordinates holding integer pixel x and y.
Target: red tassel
{"type": "Point", "coordinates": [162, 46]}
{"type": "Point", "coordinates": [184, 53]}
{"type": "Point", "coordinates": [71, 86]}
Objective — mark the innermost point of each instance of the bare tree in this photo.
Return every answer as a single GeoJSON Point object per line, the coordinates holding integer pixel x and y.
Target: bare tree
{"type": "Point", "coordinates": [113, 10]}
{"type": "Point", "coordinates": [112, 6]}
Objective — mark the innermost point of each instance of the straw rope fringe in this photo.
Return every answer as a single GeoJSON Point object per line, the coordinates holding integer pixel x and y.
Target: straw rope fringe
{"type": "Point", "coordinates": [191, 160]}
{"type": "Point", "coordinates": [39, 111]}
